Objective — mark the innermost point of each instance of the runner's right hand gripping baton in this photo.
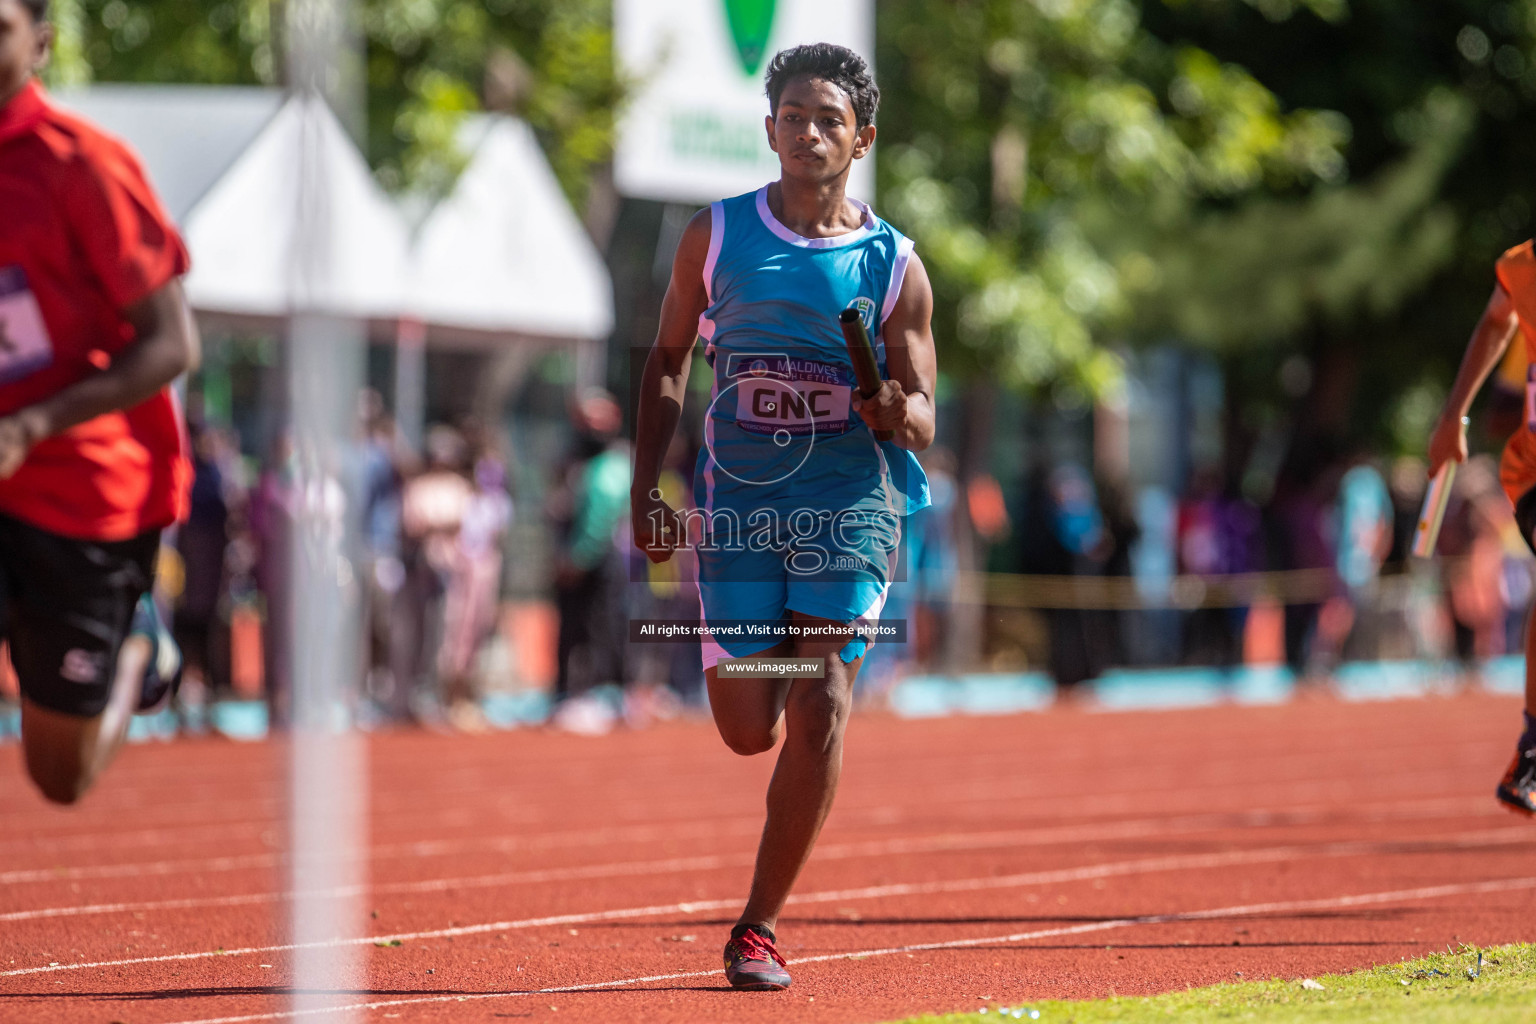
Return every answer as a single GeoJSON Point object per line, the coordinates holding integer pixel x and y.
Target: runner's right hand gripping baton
{"type": "Point", "coordinates": [862, 354]}
{"type": "Point", "coordinates": [1427, 534]}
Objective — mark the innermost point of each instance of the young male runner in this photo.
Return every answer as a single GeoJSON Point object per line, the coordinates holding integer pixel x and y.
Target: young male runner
{"type": "Point", "coordinates": [800, 504]}
{"type": "Point", "coordinates": [1512, 307]}
{"type": "Point", "coordinates": [93, 327]}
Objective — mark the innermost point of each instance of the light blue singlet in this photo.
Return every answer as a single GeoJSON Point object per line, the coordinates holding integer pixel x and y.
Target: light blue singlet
{"type": "Point", "coordinates": [782, 443]}
{"type": "Point", "coordinates": [780, 431]}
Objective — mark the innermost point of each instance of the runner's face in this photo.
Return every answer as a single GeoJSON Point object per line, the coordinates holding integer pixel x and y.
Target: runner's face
{"type": "Point", "coordinates": [23, 47]}
{"type": "Point", "coordinates": [815, 132]}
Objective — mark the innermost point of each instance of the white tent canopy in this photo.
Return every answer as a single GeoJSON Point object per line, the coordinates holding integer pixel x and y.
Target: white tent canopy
{"type": "Point", "coordinates": [298, 223]}
{"type": "Point", "coordinates": [504, 253]}
{"type": "Point", "coordinates": [188, 136]}
{"type": "Point", "coordinates": [281, 213]}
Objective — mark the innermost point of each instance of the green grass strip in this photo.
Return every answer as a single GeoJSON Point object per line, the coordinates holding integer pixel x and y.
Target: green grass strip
{"type": "Point", "coordinates": [1443, 988]}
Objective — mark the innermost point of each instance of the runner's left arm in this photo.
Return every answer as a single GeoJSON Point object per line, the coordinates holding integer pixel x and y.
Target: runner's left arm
{"type": "Point", "coordinates": [165, 346]}
{"type": "Point", "coordinates": [1492, 335]}
{"type": "Point", "coordinates": [904, 403]}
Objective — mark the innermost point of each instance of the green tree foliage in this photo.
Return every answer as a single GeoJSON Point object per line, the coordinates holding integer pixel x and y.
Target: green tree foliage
{"type": "Point", "coordinates": [551, 60]}
{"type": "Point", "coordinates": [426, 67]}
{"type": "Point", "coordinates": [1384, 272]}
{"type": "Point", "coordinates": [1274, 269]}
{"type": "Point", "coordinates": [1254, 176]}
{"type": "Point", "coordinates": [225, 43]}
{"type": "Point", "coordinates": [1019, 137]}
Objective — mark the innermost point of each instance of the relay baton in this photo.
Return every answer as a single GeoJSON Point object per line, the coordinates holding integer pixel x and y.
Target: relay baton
{"type": "Point", "coordinates": [1427, 533]}
{"type": "Point", "coordinates": [862, 354]}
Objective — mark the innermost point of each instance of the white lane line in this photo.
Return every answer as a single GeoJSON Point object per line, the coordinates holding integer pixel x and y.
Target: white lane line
{"type": "Point", "coordinates": [978, 789]}
{"type": "Point", "coordinates": [872, 848]}
{"type": "Point", "coordinates": [412, 850]}
{"type": "Point", "coordinates": [162, 867]}
{"type": "Point", "coordinates": [1176, 862]}
{"type": "Point", "coordinates": [677, 865]}
{"type": "Point", "coordinates": [246, 829]}
{"type": "Point", "coordinates": [142, 837]}
{"type": "Point", "coordinates": [147, 787]}
{"type": "Point", "coordinates": [1246, 910]}
{"type": "Point", "coordinates": [1386, 811]}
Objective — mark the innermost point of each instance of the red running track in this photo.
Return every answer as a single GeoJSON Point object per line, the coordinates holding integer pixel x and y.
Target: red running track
{"type": "Point", "coordinates": [533, 875]}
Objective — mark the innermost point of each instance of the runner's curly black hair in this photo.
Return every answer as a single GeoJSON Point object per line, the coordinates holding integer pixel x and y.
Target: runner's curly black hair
{"type": "Point", "coordinates": [37, 8]}
{"type": "Point", "coordinates": [829, 62]}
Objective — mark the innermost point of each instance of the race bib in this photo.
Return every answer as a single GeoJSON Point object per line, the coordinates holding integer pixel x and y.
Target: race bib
{"type": "Point", "coordinates": [24, 344]}
{"type": "Point", "coordinates": [779, 396]}
{"type": "Point", "coordinates": [1530, 397]}
{"type": "Point", "coordinates": [797, 407]}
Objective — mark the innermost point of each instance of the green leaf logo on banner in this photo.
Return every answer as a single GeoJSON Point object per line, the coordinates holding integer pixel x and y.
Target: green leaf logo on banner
{"type": "Point", "coordinates": [751, 21]}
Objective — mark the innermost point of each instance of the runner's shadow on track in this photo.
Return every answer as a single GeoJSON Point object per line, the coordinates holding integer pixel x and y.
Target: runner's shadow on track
{"type": "Point", "coordinates": [1032, 920]}
{"type": "Point", "coordinates": [722, 987]}
{"type": "Point", "coordinates": [278, 990]}
{"type": "Point", "coordinates": [885, 922]}
{"type": "Point", "coordinates": [817, 922]}
{"type": "Point", "coordinates": [156, 995]}
{"type": "Point", "coordinates": [1199, 945]}
{"type": "Point", "coordinates": [1363, 914]}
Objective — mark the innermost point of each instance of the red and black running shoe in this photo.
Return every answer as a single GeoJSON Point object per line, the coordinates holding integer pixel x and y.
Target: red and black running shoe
{"type": "Point", "coordinates": [1517, 790]}
{"type": "Point", "coordinates": [752, 963]}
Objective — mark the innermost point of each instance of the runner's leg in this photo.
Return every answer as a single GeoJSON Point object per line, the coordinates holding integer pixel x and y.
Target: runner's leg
{"type": "Point", "coordinates": [749, 713]}
{"type": "Point", "coordinates": [65, 753]}
{"type": "Point", "coordinates": [805, 779]}
{"type": "Point", "coordinates": [1530, 662]}
{"type": "Point", "coordinates": [1517, 789]}
{"type": "Point", "coordinates": [70, 617]}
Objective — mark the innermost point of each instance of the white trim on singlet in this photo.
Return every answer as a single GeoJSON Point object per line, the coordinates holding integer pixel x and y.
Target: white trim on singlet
{"type": "Point", "coordinates": [864, 230]}
{"type": "Point", "coordinates": [887, 479]}
{"type": "Point", "coordinates": [716, 239]}
{"type": "Point", "coordinates": [710, 651]}
{"type": "Point", "coordinates": [865, 622]}
{"type": "Point", "coordinates": [898, 274]}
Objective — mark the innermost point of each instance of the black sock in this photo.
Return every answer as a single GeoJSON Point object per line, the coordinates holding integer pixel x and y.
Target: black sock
{"type": "Point", "coordinates": [1529, 739]}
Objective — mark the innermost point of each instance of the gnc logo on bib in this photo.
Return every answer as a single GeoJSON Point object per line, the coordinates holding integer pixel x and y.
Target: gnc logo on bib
{"type": "Point", "coordinates": [777, 395]}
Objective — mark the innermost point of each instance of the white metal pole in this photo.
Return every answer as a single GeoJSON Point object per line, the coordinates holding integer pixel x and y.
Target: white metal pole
{"type": "Point", "coordinates": [328, 796]}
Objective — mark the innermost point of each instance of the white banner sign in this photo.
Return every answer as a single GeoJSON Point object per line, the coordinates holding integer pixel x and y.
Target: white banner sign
{"type": "Point", "coordinates": [693, 130]}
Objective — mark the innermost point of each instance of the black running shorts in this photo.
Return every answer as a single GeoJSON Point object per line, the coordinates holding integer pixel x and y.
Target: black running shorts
{"type": "Point", "coordinates": [65, 606]}
{"type": "Point", "coordinates": [1525, 516]}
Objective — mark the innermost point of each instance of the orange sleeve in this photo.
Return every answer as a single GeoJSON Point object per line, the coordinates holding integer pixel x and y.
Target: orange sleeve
{"type": "Point", "coordinates": [125, 234]}
{"type": "Point", "coordinates": [1516, 271]}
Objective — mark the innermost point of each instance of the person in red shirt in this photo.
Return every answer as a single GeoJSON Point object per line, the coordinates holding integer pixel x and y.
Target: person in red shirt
{"type": "Point", "coordinates": [1511, 310]}
{"type": "Point", "coordinates": [93, 327]}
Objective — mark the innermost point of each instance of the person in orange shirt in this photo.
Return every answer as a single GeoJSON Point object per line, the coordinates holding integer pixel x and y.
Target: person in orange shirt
{"type": "Point", "coordinates": [93, 327]}
{"type": "Point", "coordinates": [1511, 309]}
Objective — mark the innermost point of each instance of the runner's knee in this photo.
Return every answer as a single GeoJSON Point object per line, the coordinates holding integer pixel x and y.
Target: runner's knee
{"type": "Point", "coordinates": [63, 752]}
{"type": "Point", "coordinates": [818, 715]}
{"type": "Point", "coordinates": [59, 783]}
{"type": "Point", "coordinates": [747, 739]}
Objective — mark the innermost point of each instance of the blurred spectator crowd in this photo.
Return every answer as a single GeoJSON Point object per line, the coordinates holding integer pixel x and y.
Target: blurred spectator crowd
{"type": "Point", "coordinates": [1323, 564]}
{"type": "Point", "coordinates": [424, 560]}
{"type": "Point", "coordinates": [1316, 573]}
